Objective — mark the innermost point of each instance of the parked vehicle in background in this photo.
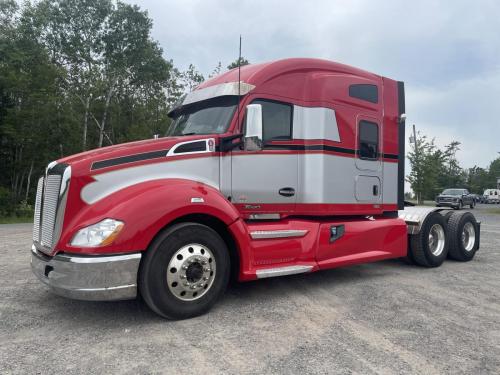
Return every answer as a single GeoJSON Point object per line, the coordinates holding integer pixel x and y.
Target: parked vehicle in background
{"type": "Point", "coordinates": [478, 198]}
{"type": "Point", "coordinates": [456, 198]}
{"type": "Point", "coordinates": [492, 196]}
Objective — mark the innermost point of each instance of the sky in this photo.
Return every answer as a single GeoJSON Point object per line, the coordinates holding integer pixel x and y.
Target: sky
{"type": "Point", "coordinates": [446, 52]}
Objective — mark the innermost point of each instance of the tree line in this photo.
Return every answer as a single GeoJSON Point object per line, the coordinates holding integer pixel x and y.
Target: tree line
{"type": "Point", "coordinates": [76, 75]}
{"type": "Point", "coordinates": [434, 169]}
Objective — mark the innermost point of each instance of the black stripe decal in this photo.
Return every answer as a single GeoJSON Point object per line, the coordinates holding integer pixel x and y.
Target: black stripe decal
{"type": "Point", "coordinates": [401, 146]}
{"type": "Point", "coordinates": [128, 159]}
{"type": "Point", "coordinates": [341, 150]}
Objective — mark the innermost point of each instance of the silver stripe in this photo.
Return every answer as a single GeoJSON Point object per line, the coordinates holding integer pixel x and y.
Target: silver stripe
{"type": "Point", "coordinates": [282, 271]}
{"type": "Point", "coordinates": [97, 259]}
{"type": "Point", "coordinates": [285, 233]}
{"type": "Point", "coordinates": [205, 170]}
{"type": "Point", "coordinates": [228, 88]}
{"type": "Point", "coordinates": [315, 123]}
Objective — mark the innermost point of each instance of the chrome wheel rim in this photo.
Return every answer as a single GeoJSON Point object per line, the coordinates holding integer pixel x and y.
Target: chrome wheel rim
{"type": "Point", "coordinates": [468, 236]}
{"type": "Point", "coordinates": [191, 272]}
{"type": "Point", "coordinates": [436, 239]}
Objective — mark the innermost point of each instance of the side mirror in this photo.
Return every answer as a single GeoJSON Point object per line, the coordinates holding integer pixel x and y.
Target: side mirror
{"type": "Point", "coordinates": [253, 128]}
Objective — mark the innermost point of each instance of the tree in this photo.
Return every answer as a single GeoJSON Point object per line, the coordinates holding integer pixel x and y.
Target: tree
{"type": "Point", "coordinates": [75, 75]}
{"type": "Point", "coordinates": [426, 162]}
{"type": "Point", "coordinates": [242, 61]}
{"type": "Point", "coordinates": [217, 70]}
{"type": "Point", "coordinates": [191, 78]}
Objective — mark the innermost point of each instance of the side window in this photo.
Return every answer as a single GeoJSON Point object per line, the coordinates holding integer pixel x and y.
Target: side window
{"type": "Point", "coordinates": [364, 92]}
{"type": "Point", "coordinates": [368, 140]}
{"type": "Point", "coordinates": [276, 120]}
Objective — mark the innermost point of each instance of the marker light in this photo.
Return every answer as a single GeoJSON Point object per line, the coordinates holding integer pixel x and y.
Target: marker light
{"type": "Point", "coordinates": [99, 234]}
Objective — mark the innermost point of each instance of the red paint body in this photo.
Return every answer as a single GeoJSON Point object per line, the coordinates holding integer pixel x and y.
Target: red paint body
{"type": "Point", "coordinates": [148, 207]}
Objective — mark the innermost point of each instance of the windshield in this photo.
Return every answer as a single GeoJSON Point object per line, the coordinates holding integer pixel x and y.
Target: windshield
{"type": "Point", "coordinates": [207, 117]}
{"type": "Point", "coordinates": [453, 192]}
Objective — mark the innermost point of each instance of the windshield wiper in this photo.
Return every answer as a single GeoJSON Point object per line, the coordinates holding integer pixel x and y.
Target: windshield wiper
{"type": "Point", "coordinates": [192, 133]}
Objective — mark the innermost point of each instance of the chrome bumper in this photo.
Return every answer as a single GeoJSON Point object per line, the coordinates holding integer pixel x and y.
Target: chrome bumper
{"type": "Point", "coordinates": [92, 278]}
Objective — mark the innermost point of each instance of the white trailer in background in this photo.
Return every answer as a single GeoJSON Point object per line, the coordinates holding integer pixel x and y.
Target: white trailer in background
{"type": "Point", "coordinates": [492, 195]}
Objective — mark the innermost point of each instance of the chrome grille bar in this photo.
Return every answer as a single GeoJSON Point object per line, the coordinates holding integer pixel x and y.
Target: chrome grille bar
{"type": "Point", "coordinates": [38, 204]}
{"type": "Point", "coordinates": [49, 210]}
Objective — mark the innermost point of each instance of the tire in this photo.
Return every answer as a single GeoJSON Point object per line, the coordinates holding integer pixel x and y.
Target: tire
{"type": "Point", "coordinates": [447, 215]}
{"type": "Point", "coordinates": [424, 252]}
{"type": "Point", "coordinates": [185, 270]}
{"type": "Point", "coordinates": [472, 205]}
{"type": "Point", "coordinates": [463, 236]}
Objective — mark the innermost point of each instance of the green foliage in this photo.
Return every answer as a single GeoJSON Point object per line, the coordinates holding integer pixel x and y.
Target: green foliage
{"type": "Point", "coordinates": [76, 75]}
{"type": "Point", "coordinates": [242, 61]}
{"type": "Point", "coordinates": [432, 169]}
{"type": "Point", "coordinates": [24, 209]}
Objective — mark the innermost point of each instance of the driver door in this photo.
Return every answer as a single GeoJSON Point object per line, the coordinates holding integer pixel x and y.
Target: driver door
{"type": "Point", "coordinates": [265, 181]}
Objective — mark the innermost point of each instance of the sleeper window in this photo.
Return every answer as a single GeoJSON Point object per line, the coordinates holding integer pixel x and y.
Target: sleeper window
{"type": "Point", "coordinates": [368, 140]}
{"type": "Point", "coordinates": [276, 120]}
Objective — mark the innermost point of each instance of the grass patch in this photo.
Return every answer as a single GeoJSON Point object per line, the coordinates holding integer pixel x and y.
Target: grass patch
{"type": "Point", "coordinates": [15, 219]}
{"type": "Point", "coordinates": [495, 211]}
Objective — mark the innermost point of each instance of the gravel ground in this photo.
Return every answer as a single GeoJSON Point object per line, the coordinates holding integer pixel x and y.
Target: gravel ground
{"type": "Point", "coordinates": [387, 317]}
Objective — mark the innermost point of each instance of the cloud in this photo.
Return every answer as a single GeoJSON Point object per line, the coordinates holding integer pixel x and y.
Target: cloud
{"type": "Point", "coordinates": [447, 52]}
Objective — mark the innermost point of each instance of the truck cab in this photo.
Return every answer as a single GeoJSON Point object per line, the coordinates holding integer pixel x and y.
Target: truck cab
{"type": "Point", "coordinates": [273, 169]}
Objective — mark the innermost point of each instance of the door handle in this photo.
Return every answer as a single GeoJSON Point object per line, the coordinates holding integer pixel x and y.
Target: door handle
{"type": "Point", "coordinates": [287, 192]}
{"type": "Point", "coordinates": [375, 190]}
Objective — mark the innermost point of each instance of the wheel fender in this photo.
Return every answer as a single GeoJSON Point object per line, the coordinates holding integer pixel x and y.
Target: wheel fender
{"type": "Point", "coordinates": [148, 207]}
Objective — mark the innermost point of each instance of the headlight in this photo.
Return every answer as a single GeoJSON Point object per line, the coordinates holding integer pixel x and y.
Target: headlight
{"type": "Point", "coordinates": [99, 234]}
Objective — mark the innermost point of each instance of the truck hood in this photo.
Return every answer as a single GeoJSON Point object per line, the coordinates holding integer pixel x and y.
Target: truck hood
{"type": "Point", "coordinates": [81, 163]}
{"type": "Point", "coordinates": [448, 196]}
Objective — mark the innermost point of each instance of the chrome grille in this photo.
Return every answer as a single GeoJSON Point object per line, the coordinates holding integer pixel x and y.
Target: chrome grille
{"type": "Point", "coordinates": [38, 203]}
{"type": "Point", "coordinates": [50, 200]}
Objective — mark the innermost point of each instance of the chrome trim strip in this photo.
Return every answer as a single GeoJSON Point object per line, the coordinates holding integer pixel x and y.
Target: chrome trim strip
{"type": "Point", "coordinates": [284, 233]}
{"type": "Point", "coordinates": [96, 259]}
{"type": "Point", "coordinates": [282, 271]}
{"type": "Point", "coordinates": [209, 147]}
{"type": "Point", "coordinates": [265, 217]}
{"type": "Point", "coordinates": [61, 205]}
{"type": "Point", "coordinates": [223, 89]}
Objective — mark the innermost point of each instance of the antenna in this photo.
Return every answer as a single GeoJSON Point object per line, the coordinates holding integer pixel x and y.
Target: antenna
{"type": "Point", "coordinates": [239, 82]}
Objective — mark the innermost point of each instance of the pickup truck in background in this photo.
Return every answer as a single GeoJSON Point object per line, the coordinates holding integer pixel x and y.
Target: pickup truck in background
{"type": "Point", "coordinates": [456, 198]}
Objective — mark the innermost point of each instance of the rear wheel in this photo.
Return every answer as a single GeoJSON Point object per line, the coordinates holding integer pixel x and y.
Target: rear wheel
{"type": "Point", "coordinates": [463, 235]}
{"type": "Point", "coordinates": [429, 247]}
{"type": "Point", "coordinates": [185, 271]}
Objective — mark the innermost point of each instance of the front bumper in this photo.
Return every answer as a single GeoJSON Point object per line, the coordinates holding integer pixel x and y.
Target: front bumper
{"type": "Point", "coordinates": [92, 278]}
{"type": "Point", "coordinates": [448, 204]}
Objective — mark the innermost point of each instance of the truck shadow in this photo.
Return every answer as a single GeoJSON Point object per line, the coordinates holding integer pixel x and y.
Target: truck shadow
{"type": "Point", "coordinates": [239, 296]}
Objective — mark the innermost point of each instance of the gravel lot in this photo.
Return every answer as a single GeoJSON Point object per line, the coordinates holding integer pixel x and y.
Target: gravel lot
{"type": "Point", "coordinates": [386, 317]}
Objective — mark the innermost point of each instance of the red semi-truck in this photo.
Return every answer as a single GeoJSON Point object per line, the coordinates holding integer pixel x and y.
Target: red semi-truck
{"type": "Point", "coordinates": [286, 167]}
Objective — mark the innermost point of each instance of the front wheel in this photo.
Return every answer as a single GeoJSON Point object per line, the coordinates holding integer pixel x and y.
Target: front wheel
{"type": "Point", "coordinates": [472, 205]}
{"type": "Point", "coordinates": [185, 271]}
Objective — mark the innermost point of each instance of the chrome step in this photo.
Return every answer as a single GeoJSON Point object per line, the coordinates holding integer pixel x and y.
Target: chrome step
{"type": "Point", "coordinates": [282, 271]}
